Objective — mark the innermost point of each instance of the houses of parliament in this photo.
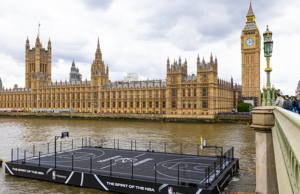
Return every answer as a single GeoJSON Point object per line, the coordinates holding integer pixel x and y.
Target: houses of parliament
{"type": "Point", "coordinates": [180, 93]}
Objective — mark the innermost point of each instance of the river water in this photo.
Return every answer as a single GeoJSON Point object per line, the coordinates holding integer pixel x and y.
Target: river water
{"type": "Point", "coordinates": [25, 132]}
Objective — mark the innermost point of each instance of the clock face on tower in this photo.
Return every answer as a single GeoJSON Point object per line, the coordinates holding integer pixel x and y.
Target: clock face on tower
{"type": "Point", "coordinates": [249, 42]}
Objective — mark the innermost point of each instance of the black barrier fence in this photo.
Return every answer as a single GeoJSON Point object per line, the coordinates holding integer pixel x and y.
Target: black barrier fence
{"type": "Point", "coordinates": [217, 167]}
{"type": "Point", "coordinates": [44, 155]}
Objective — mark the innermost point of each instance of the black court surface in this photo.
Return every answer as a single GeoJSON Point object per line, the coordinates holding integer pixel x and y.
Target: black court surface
{"type": "Point", "coordinates": [127, 170]}
{"type": "Point", "coordinates": [142, 165]}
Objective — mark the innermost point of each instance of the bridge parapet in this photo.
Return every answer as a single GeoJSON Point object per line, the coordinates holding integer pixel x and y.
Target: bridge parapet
{"type": "Point", "coordinates": [262, 121]}
{"type": "Point", "coordinates": [286, 140]}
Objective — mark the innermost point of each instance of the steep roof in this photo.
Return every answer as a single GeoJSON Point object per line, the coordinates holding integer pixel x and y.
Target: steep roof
{"type": "Point", "coordinates": [250, 11]}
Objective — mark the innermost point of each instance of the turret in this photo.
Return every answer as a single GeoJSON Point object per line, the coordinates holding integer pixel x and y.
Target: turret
{"type": "Point", "coordinates": [179, 62]}
{"type": "Point", "coordinates": [38, 43]}
{"type": "Point", "coordinates": [74, 74]}
{"type": "Point", "coordinates": [211, 62]}
{"type": "Point", "coordinates": [198, 61]}
{"type": "Point", "coordinates": [49, 45]}
{"type": "Point", "coordinates": [168, 64]}
{"type": "Point", "coordinates": [98, 54]}
{"type": "Point", "coordinates": [27, 44]}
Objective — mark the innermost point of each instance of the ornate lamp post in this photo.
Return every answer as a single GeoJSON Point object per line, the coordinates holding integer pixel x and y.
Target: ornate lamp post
{"type": "Point", "coordinates": [268, 49]}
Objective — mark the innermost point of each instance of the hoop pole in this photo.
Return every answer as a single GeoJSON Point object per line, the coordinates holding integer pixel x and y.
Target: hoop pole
{"type": "Point", "coordinates": [82, 142]}
{"type": "Point", "coordinates": [33, 150]}
{"type": "Point", "coordinates": [39, 158]}
{"type": "Point", "coordinates": [72, 161]}
{"type": "Point", "coordinates": [220, 165]}
{"type": "Point", "coordinates": [131, 145]}
{"type": "Point", "coordinates": [24, 156]}
{"type": "Point", "coordinates": [72, 144]}
{"type": "Point", "coordinates": [55, 153]}
{"type": "Point", "coordinates": [180, 148]}
{"type": "Point", "coordinates": [114, 144]}
{"type": "Point", "coordinates": [48, 148]}
{"type": "Point", "coordinates": [60, 145]}
{"type": "Point", "coordinates": [149, 146]}
{"type": "Point", "coordinates": [165, 147]}
{"type": "Point", "coordinates": [215, 169]}
{"type": "Point", "coordinates": [91, 165]}
{"type": "Point", "coordinates": [132, 169]}
{"type": "Point", "coordinates": [135, 145]}
{"type": "Point", "coordinates": [17, 153]}
{"type": "Point", "coordinates": [207, 180]}
{"type": "Point", "coordinates": [155, 171]}
{"type": "Point", "coordinates": [118, 143]}
{"type": "Point", "coordinates": [110, 167]}
{"type": "Point", "coordinates": [12, 153]}
{"type": "Point", "coordinates": [178, 173]}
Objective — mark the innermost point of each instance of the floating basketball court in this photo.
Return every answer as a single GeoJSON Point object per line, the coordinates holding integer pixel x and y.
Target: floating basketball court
{"type": "Point", "coordinates": [124, 166]}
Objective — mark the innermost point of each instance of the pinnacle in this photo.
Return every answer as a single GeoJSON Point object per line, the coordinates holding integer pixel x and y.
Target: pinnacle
{"type": "Point", "coordinates": [98, 46]}
{"type": "Point", "coordinates": [250, 11]}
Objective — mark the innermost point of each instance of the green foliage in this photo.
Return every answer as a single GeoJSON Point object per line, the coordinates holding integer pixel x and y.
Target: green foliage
{"type": "Point", "coordinates": [243, 107]}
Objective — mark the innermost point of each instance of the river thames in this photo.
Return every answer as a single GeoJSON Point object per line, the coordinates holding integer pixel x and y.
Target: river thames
{"type": "Point", "coordinates": [26, 132]}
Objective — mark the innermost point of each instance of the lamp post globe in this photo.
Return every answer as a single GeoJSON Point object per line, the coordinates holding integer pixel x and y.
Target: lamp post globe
{"type": "Point", "coordinates": [268, 49]}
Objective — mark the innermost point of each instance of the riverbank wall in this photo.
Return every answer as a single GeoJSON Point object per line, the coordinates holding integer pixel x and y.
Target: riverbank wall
{"type": "Point", "coordinates": [134, 117]}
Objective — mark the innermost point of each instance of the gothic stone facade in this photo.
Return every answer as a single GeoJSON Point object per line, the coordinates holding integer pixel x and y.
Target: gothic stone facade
{"type": "Point", "coordinates": [250, 49]}
{"type": "Point", "coordinates": [180, 93]}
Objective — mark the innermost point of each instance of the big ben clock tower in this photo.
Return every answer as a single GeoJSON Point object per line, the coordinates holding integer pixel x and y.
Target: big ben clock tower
{"type": "Point", "coordinates": [250, 48]}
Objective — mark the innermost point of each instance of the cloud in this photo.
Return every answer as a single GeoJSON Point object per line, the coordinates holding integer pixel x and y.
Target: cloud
{"type": "Point", "coordinates": [139, 36]}
{"type": "Point", "coordinates": [212, 21]}
{"type": "Point", "coordinates": [97, 4]}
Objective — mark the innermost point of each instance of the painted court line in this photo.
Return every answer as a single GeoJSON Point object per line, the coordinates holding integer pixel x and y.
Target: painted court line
{"type": "Point", "coordinates": [140, 155]}
{"type": "Point", "coordinates": [108, 166]}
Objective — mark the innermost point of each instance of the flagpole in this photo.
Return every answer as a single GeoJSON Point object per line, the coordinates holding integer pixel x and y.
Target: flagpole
{"type": "Point", "coordinates": [39, 30]}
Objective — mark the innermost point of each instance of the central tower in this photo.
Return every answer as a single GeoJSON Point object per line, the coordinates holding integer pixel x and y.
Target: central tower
{"type": "Point", "coordinates": [37, 64]}
{"type": "Point", "coordinates": [250, 48]}
{"type": "Point", "coordinates": [99, 75]}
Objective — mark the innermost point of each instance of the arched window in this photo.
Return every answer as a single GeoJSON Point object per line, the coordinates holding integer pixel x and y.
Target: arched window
{"type": "Point", "coordinates": [174, 79]}
{"type": "Point", "coordinates": [95, 81]}
{"type": "Point", "coordinates": [98, 56]}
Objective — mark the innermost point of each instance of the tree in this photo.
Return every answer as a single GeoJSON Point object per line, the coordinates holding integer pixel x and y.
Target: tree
{"type": "Point", "coordinates": [244, 107]}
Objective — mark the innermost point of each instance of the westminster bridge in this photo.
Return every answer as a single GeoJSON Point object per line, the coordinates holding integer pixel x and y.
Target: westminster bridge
{"type": "Point", "coordinates": [277, 150]}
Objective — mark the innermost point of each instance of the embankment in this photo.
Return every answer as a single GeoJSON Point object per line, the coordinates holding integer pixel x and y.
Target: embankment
{"type": "Point", "coordinates": [134, 117]}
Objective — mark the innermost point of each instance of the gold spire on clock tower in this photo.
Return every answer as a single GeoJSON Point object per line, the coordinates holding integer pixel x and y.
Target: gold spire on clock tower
{"type": "Point", "coordinates": [250, 49]}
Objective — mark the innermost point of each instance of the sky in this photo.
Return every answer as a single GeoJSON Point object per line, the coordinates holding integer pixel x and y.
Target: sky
{"type": "Point", "coordinates": [139, 35]}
